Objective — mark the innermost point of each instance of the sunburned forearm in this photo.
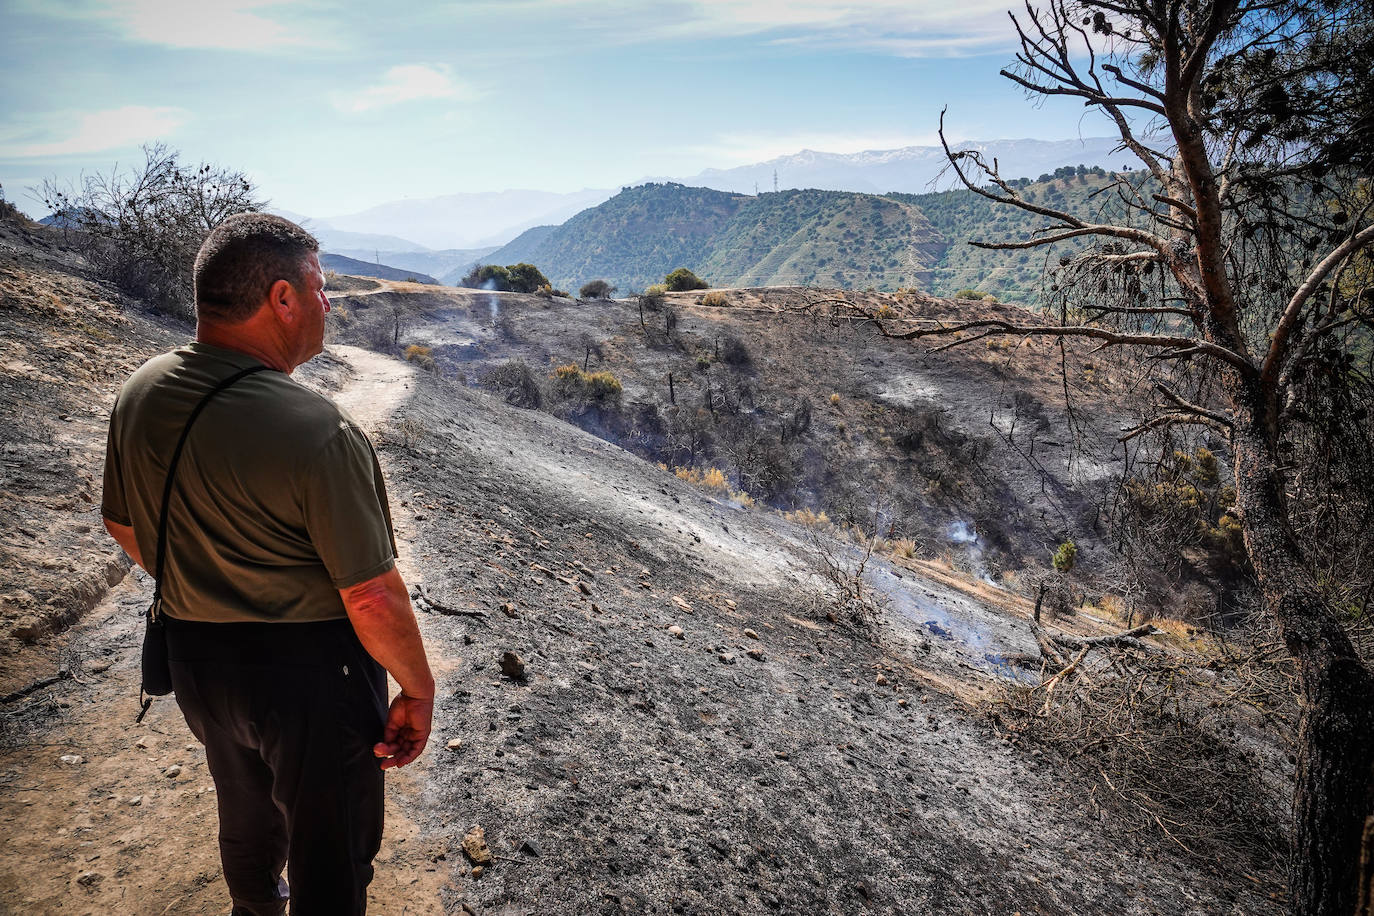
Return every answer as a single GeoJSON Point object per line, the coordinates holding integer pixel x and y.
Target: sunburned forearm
{"type": "Point", "coordinates": [124, 537]}
{"type": "Point", "coordinates": [380, 612]}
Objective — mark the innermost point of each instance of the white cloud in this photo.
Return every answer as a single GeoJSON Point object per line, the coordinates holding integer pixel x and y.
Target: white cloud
{"type": "Point", "coordinates": [226, 25]}
{"type": "Point", "coordinates": [406, 83]}
{"type": "Point", "coordinates": [74, 133]}
{"type": "Point", "coordinates": [905, 28]}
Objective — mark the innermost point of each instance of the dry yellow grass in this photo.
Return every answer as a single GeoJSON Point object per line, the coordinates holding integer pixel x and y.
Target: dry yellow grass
{"type": "Point", "coordinates": [808, 518]}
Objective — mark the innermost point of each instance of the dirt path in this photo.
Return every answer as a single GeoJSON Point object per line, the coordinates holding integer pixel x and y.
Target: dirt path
{"type": "Point", "coordinates": [756, 760]}
{"type": "Point", "coordinates": [103, 815]}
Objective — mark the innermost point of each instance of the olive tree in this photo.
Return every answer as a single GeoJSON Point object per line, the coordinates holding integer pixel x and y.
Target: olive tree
{"type": "Point", "coordinates": [1227, 268]}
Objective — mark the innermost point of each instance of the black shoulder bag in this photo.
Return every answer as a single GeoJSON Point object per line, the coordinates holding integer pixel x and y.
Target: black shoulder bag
{"type": "Point", "coordinates": [157, 673]}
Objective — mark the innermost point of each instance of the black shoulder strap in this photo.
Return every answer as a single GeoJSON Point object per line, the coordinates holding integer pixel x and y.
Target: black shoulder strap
{"type": "Point", "coordinates": [171, 480]}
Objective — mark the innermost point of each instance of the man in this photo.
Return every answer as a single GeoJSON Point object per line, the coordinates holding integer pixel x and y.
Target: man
{"type": "Point", "coordinates": [282, 602]}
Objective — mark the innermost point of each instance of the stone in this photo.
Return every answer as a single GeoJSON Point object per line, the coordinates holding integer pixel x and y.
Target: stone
{"type": "Point", "coordinates": [90, 878]}
{"type": "Point", "coordinates": [677, 632]}
{"type": "Point", "coordinates": [72, 759]}
{"type": "Point", "coordinates": [28, 628]}
{"type": "Point", "coordinates": [583, 587]}
{"type": "Point", "coordinates": [751, 634]}
{"type": "Point", "coordinates": [881, 680]}
{"type": "Point", "coordinates": [172, 772]}
{"type": "Point", "coordinates": [681, 602]}
{"type": "Point", "coordinates": [512, 666]}
{"type": "Point", "coordinates": [455, 743]}
{"type": "Point", "coordinates": [141, 743]}
{"type": "Point", "coordinates": [726, 658]}
{"type": "Point", "coordinates": [509, 610]}
{"type": "Point", "coordinates": [136, 801]}
{"type": "Point", "coordinates": [475, 845]}
{"type": "Point", "coordinates": [755, 653]}
{"type": "Point", "coordinates": [477, 871]}
{"type": "Point", "coordinates": [532, 847]}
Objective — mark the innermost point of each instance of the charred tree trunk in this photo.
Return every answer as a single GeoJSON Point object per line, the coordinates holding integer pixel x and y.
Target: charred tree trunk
{"type": "Point", "coordinates": [1334, 794]}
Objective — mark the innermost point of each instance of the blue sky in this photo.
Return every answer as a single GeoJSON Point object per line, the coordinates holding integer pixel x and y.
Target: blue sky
{"type": "Point", "coordinates": [334, 107]}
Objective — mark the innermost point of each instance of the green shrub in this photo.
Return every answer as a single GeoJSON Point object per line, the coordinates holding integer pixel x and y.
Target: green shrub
{"type": "Point", "coordinates": [487, 276]}
{"type": "Point", "coordinates": [1065, 556]}
{"type": "Point", "coordinates": [683, 280]}
{"type": "Point", "coordinates": [968, 294]}
{"type": "Point", "coordinates": [714, 300]}
{"type": "Point", "coordinates": [526, 278]}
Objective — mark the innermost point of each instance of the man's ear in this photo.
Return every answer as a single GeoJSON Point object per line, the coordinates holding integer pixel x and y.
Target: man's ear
{"type": "Point", "coordinates": [281, 298]}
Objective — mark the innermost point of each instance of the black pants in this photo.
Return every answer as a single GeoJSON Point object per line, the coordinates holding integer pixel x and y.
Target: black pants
{"type": "Point", "coordinates": [288, 714]}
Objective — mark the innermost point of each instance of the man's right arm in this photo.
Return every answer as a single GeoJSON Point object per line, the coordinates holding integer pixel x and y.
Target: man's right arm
{"type": "Point", "coordinates": [124, 537]}
{"type": "Point", "coordinates": [380, 612]}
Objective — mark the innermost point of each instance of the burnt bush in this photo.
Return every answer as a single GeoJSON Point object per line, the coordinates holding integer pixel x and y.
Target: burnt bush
{"type": "Point", "coordinates": [141, 229]}
{"type": "Point", "coordinates": [734, 353]}
{"type": "Point", "coordinates": [797, 420]}
{"type": "Point", "coordinates": [596, 289]}
{"type": "Point", "coordinates": [516, 382]}
{"type": "Point", "coordinates": [9, 211]}
{"type": "Point", "coordinates": [580, 389]}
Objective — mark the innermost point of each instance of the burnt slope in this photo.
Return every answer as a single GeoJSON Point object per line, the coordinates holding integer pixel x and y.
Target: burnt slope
{"type": "Point", "coordinates": [628, 770]}
{"type": "Point", "coordinates": [969, 452]}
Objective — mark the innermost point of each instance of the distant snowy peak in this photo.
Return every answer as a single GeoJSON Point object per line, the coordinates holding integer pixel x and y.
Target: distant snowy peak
{"type": "Point", "coordinates": [910, 169]}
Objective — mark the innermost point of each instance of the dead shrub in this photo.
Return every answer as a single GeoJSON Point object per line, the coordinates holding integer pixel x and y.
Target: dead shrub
{"type": "Point", "coordinates": [377, 334]}
{"type": "Point", "coordinates": [734, 353]}
{"type": "Point", "coordinates": [421, 356]}
{"type": "Point", "coordinates": [851, 601]}
{"type": "Point", "coordinates": [516, 383]}
{"type": "Point", "coordinates": [601, 389]}
{"type": "Point", "coordinates": [1156, 735]}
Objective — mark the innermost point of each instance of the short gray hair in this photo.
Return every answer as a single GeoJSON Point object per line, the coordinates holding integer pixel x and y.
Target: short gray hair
{"type": "Point", "coordinates": [240, 260]}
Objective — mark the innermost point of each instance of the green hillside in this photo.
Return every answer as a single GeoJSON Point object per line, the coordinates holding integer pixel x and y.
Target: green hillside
{"type": "Point", "coordinates": [962, 216]}
{"type": "Point", "coordinates": [838, 239]}
{"type": "Point", "coordinates": [525, 247]}
{"type": "Point", "coordinates": [823, 238]}
{"type": "Point", "coordinates": [634, 239]}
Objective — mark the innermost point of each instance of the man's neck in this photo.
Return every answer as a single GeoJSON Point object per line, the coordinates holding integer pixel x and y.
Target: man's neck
{"type": "Point", "coordinates": [240, 339]}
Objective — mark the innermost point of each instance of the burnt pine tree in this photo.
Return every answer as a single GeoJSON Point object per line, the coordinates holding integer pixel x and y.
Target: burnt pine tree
{"type": "Point", "coordinates": [1235, 267]}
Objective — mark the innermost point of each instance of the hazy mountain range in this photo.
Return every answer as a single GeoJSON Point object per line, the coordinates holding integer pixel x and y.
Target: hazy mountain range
{"type": "Point", "coordinates": [467, 221]}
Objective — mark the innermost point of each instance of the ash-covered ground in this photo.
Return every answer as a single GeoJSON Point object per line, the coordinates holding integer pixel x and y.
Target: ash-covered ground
{"type": "Point", "coordinates": [758, 758]}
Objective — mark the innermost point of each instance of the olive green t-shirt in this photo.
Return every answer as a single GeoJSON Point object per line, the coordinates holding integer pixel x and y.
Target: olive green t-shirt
{"type": "Point", "coordinates": [278, 502]}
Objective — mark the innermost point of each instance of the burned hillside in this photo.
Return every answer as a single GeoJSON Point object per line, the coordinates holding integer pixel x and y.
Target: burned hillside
{"type": "Point", "coordinates": [794, 410]}
{"type": "Point", "coordinates": [697, 720]}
